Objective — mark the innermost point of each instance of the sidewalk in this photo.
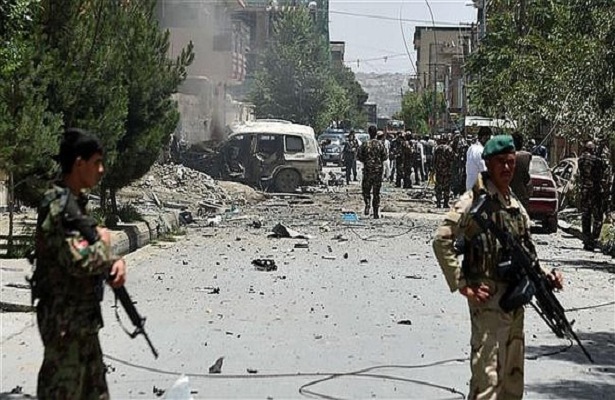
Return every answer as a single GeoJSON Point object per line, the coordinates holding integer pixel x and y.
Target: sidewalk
{"type": "Point", "coordinates": [15, 291]}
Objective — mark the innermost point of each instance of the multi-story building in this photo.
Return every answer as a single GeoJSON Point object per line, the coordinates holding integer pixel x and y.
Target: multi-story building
{"type": "Point", "coordinates": [441, 53]}
{"type": "Point", "coordinates": [221, 44]}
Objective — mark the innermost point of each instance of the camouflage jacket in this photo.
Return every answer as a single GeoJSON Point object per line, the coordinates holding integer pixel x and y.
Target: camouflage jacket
{"type": "Point", "coordinates": [482, 251]}
{"type": "Point", "coordinates": [351, 147]}
{"type": "Point", "coordinates": [443, 159]}
{"type": "Point", "coordinates": [69, 271]}
{"type": "Point", "coordinates": [372, 154]}
{"type": "Point", "coordinates": [591, 173]}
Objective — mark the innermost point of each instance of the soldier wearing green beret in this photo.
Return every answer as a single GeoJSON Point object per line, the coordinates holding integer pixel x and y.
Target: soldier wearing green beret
{"type": "Point", "coordinates": [72, 263]}
{"type": "Point", "coordinates": [497, 341]}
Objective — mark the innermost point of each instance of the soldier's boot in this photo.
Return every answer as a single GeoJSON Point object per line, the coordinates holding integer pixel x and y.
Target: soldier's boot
{"type": "Point", "coordinates": [367, 208]}
{"type": "Point", "coordinates": [376, 214]}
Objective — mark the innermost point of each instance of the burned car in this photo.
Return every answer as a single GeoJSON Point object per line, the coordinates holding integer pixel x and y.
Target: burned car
{"type": "Point", "coordinates": [269, 154]}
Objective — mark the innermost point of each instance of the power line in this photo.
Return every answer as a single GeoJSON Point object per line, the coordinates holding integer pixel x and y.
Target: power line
{"type": "Point", "coordinates": [384, 58]}
{"type": "Point", "coordinates": [384, 17]}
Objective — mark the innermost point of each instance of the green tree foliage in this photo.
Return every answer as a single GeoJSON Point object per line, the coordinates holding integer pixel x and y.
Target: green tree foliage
{"type": "Point", "coordinates": [150, 79]}
{"type": "Point", "coordinates": [295, 79]}
{"type": "Point", "coordinates": [27, 129]}
{"type": "Point", "coordinates": [417, 109]}
{"type": "Point", "coordinates": [548, 61]}
{"type": "Point", "coordinates": [355, 115]}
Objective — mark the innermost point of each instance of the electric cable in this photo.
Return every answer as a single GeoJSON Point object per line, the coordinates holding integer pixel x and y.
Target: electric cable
{"type": "Point", "coordinates": [384, 17]}
{"type": "Point", "coordinates": [326, 376]}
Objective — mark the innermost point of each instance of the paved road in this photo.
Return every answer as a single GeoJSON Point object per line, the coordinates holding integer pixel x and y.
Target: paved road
{"type": "Point", "coordinates": [336, 321]}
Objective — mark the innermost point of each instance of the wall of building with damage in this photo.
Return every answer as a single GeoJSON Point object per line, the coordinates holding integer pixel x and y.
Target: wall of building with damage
{"type": "Point", "coordinates": [205, 106]}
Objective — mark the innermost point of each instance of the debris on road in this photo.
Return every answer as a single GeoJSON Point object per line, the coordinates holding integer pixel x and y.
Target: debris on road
{"type": "Point", "coordinates": [217, 367]}
{"type": "Point", "coordinates": [265, 264]}
{"type": "Point", "coordinates": [281, 231]}
{"type": "Point", "coordinates": [252, 371]}
{"type": "Point", "coordinates": [404, 322]}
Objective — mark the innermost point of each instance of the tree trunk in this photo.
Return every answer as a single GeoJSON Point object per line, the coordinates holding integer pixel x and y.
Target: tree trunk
{"type": "Point", "coordinates": [11, 203]}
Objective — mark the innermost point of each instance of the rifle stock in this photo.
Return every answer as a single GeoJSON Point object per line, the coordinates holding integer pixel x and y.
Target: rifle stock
{"type": "Point", "coordinates": [546, 303]}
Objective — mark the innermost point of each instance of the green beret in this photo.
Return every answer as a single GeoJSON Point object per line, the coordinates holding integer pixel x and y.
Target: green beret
{"type": "Point", "coordinates": [499, 144]}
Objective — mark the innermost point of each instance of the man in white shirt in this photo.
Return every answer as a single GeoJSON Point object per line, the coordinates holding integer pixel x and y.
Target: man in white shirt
{"type": "Point", "coordinates": [474, 157]}
{"type": "Point", "coordinates": [387, 163]}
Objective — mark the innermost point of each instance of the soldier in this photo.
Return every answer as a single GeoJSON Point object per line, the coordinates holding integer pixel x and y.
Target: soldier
{"type": "Point", "coordinates": [351, 146]}
{"type": "Point", "coordinates": [71, 266]}
{"type": "Point", "coordinates": [460, 149]}
{"type": "Point", "coordinates": [372, 154]}
{"type": "Point", "coordinates": [521, 183]}
{"type": "Point", "coordinates": [407, 152]}
{"type": "Point", "coordinates": [398, 160]}
{"type": "Point", "coordinates": [443, 162]}
{"type": "Point", "coordinates": [497, 343]}
{"type": "Point", "coordinates": [592, 171]}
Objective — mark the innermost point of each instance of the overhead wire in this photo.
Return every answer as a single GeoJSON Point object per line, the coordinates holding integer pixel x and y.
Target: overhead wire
{"type": "Point", "coordinates": [384, 17]}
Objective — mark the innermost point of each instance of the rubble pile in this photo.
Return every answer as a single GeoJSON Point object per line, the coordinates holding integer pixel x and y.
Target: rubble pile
{"type": "Point", "coordinates": [177, 186]}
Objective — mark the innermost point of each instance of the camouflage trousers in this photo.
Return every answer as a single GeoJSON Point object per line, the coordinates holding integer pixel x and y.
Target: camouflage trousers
{"type": "Point", "coordinates": [497, 354]}
{"type": "Point", "coordinates": [372, 183]}
{"type": "Point", "coordinates": [591, 218]}
{"type": "Point", "coordinates": [72, 365]}
{"type": "Point", "coordinates": [443, 189]}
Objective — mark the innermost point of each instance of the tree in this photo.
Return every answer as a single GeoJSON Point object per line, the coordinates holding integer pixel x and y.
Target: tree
{"type": "Point", "coordinates": [150, 79]}
{"type": "Point", "coordinates": [355, 115]}
{"type": "Point", "coordinates": [28, 130]}
{"type": "Point", "coordinates": [417, 109]}
{"type": "Point", "coordinates": [550, 62]}
{"type": "Point", "coordinates": [293, 80]}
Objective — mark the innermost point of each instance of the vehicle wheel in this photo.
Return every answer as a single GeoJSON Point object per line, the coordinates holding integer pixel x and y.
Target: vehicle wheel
{"type": "Point", "coordinates": [550, 224]}
{"type": "Point", "coordinates": [287, 180]}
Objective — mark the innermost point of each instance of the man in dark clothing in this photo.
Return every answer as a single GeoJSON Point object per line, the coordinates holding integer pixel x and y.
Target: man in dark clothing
{"type": "Point", "coordinates": [351, 146]}
{"type": "Point", "coordinates": [521, 183]}
{"type": "Point", "coordinates": [72, 264]}
{"type": "Point", "coordinates": [372, 154]}
{"type": "Point", "coordinates": [592, 168]}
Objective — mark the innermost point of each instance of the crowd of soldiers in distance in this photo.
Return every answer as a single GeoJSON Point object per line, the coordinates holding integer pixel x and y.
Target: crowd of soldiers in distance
{"type": "Point", "coordinates": [413, 161]}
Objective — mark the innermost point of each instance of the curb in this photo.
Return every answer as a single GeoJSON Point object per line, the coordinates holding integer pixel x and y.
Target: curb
{"type": "Point", "coordinates": [125, 239]}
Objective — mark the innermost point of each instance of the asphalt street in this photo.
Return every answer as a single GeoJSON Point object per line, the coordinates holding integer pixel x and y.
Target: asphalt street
{"type": "Point", "coordinates": [359, 310]}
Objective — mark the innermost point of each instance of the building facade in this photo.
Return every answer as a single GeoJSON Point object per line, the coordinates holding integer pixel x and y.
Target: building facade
{"type": "Point", "coordinates": [221, 44]}
{"type": "Point", "coordinates": [441, 53]}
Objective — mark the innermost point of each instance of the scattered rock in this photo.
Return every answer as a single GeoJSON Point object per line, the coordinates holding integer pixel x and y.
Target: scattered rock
{"type": "Point", "coordinates": [217, 367]}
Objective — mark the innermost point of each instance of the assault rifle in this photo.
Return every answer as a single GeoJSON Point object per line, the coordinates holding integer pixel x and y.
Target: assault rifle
{"type": "Point", "coordinates": [86, 225]}
{"type": "Point", "coordinates": [525, 264]}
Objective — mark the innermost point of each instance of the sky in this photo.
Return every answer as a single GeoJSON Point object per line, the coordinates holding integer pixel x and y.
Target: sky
{"type": "Point", "coordinates": [370, 40]}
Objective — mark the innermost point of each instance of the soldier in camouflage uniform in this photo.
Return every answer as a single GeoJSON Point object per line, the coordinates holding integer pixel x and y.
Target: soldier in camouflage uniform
{"type": "Point", "coordinates": [71, 266]}
{"type": "Point", "coordinates": [372, 154]}
{"type": "Point", "coordinates": [460, 148]}
{"type": "Point", "coordinates": [397, 158]}
{"type": "Point", "coordinates": [593, 171]}
{"type": "Point", "coordinates": [443, 158]}
{"type": "Point", "coordinates": [497, 342]}
{"type": "Point", "coordinates": [407, 152]}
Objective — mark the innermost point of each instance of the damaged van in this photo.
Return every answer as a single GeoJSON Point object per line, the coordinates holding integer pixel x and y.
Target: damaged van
{"type": "Point", "coordinates": [271, 154]}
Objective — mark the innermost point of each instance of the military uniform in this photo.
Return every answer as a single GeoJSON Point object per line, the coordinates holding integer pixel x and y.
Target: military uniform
{"type": "Point", "coordinates": [443, 162]}
{"type": "Point", "coordinates": [497, 342]}
{"type": "Point", "coordinates": [372, 154]}
{"type": "Point", "coordinates": [68, 283]}
{"type": "Point", "coordinates": [592, 177]}
{"type": "Point", "coordinates": [350, 158]}
{"type": "Point", "coordinates": [398, 160]}
{"type": "Point", "coordinates": [460, 148]}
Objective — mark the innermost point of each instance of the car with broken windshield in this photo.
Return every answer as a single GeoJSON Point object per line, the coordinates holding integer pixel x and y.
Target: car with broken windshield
{"type": "Point", "coordinates": [273, 155]}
